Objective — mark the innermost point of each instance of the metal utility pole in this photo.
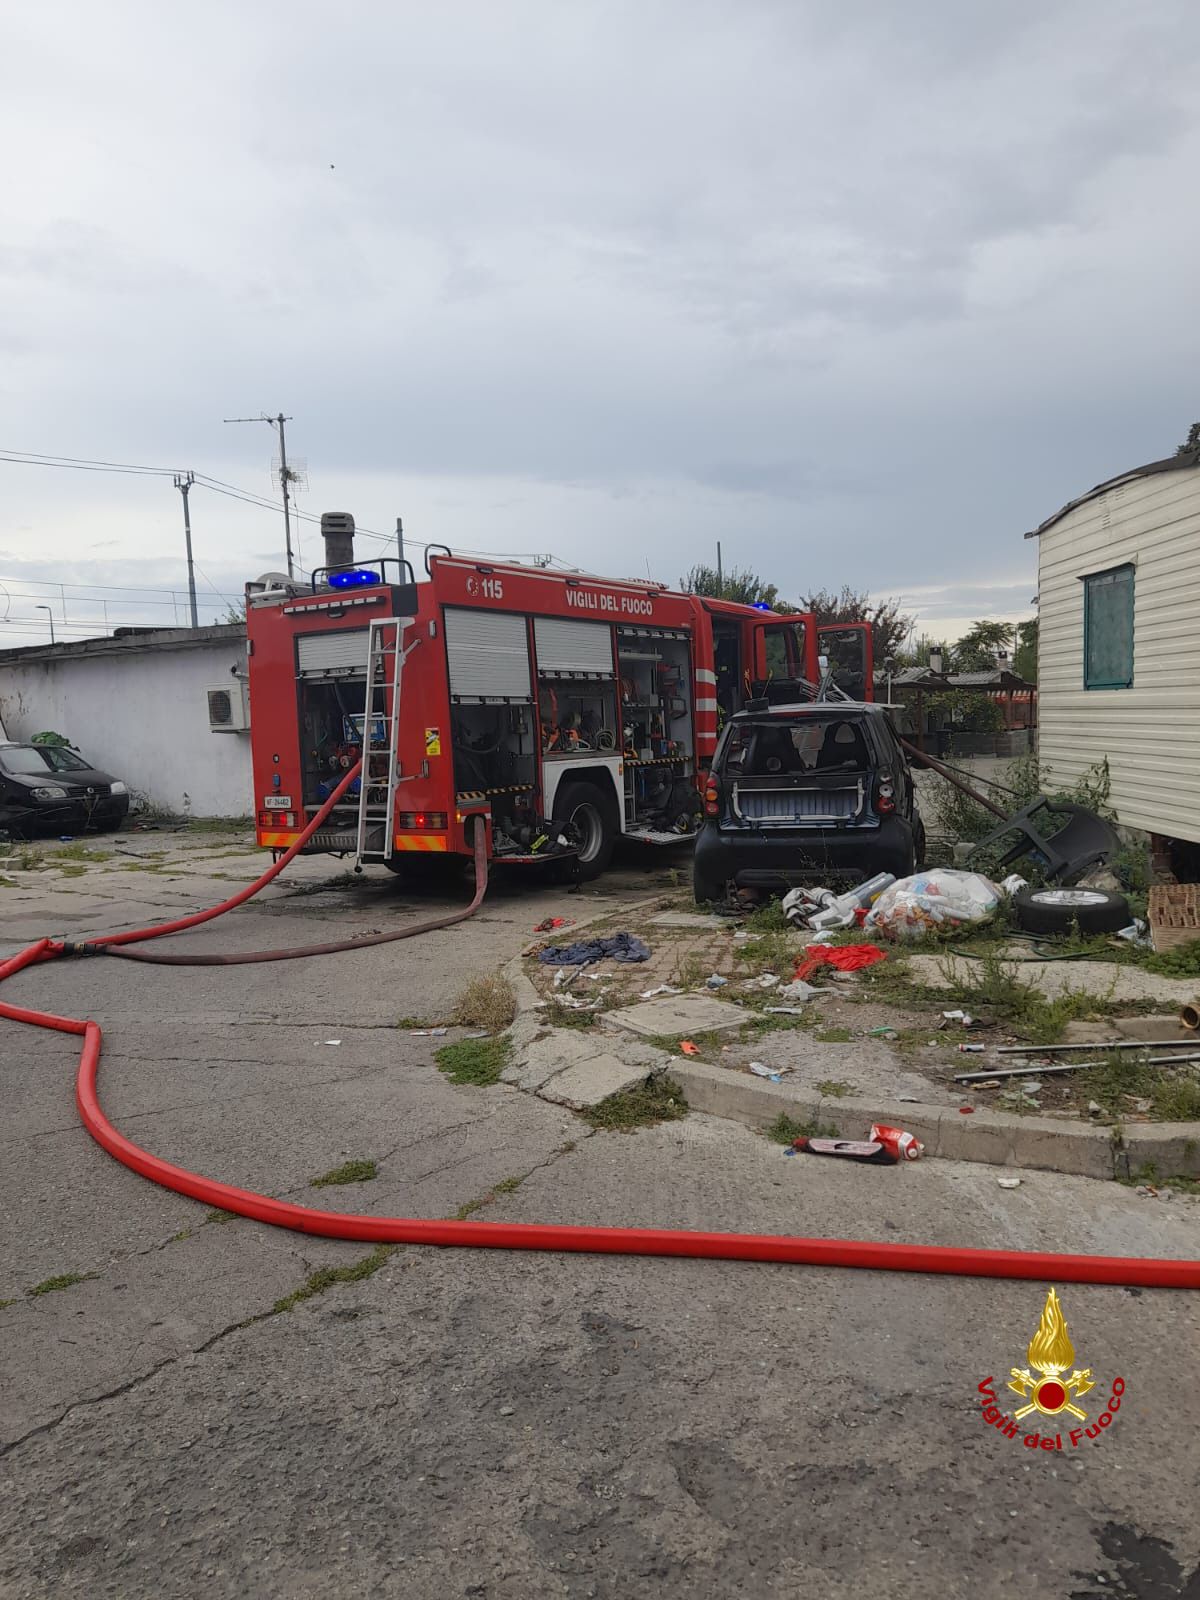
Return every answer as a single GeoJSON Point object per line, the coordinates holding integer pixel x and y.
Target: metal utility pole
{"type": "Point", "coordinates": [277, 422]}
{"type": "Point", "coordinates": [183, 482]}
{"type": "Point", "coordinates": [400, 542]}
{"type": "Point", "coordinates": [50, 614]}
{"type": "Point", "coordinates": [720, 574]}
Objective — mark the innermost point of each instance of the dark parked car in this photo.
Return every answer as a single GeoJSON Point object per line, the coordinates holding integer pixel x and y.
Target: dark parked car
{"type": "Point", "coordinates": [802, 793]}
{"type": "Point", "coordinates": [50, 788]}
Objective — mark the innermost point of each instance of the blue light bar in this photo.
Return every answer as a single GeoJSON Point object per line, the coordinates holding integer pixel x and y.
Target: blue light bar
{"type": "Point", "coordinates": [353, 578]}
{"type": "Point", "coordinates": [761, 605]}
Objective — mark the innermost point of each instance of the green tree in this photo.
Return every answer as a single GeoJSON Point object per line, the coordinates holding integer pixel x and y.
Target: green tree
{"type": "Point", "coordinates": [1192, 442]}
{"type": "Point", "coordinates": [738, 583]}
{"type": "Point", "coordinates": [1025, 656]}
{"type": "Point", "coordinates": [889, 625]}
{"type": "Point", "coordinates": [978, 648]}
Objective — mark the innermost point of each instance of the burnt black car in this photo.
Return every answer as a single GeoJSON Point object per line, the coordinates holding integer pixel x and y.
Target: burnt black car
{"type": "Point", "coordinates": [49, 788]}
{"type": "Point", "coordinates": [803, 793]}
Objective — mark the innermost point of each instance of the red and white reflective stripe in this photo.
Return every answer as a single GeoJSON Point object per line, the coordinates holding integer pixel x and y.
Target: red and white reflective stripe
{"type": "Point", "coordinates": [703, 675]}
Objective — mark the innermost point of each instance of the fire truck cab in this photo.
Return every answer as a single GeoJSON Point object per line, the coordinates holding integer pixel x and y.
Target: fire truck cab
{"type": "Point", "coordinates": [555, 710]}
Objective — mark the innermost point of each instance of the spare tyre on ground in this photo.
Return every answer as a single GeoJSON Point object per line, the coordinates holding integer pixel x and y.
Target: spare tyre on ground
{"type": "Point", "coordinates": [1060, 910]}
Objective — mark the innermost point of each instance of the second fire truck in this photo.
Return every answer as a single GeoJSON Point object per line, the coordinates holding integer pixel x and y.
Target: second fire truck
{"type": "Point", "coordinates": [557, 711]}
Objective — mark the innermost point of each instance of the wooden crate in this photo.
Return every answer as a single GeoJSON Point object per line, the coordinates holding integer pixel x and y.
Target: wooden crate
{"type": "Point", "coordinates": [1174, 914]}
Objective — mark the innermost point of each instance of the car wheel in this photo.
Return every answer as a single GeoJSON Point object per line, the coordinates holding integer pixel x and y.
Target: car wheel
{"type": "Point", "coordinates": [1058, 910]}
{"type": "Point", "coordinates": [919, 843]}
{"type": "Point", "coordinates": [589, 813]}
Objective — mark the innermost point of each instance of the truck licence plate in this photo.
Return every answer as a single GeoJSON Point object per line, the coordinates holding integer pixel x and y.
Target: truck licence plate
{"type": "Point", "coordinates": [277, 802]}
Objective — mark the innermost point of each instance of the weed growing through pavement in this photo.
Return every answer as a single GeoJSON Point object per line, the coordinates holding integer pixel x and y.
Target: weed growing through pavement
{"type": "Point", "coordinates": [656, 1100]}
{"type": "Point", "coordinates": [348, 1172]}
{"type": "Point", "coordinates": [786, 1130]}
{"type": "Point", "coordinates": [1148, 1174]}
{"type": "Point", "coordinates": [325, 1277]}
{"type": "Point", "coordinates": [81, 852]}
{"type": "Point", "coordinates": [489, 1002]}
{"type": "Point", "coordinates": [65, 1280]}
{"type": "Point", "coordinates": [834, 1087]}
{"type": "Point", "coordinates": [1174, 1096]}
{"type": "Point", "coordinates": [220, 1216]}
{"type": "Point", "coordinates": [475, 1061]}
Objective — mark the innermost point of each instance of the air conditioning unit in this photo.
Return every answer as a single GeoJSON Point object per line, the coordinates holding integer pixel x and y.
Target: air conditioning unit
{"type": "Point", "coordinates": [228, 711]}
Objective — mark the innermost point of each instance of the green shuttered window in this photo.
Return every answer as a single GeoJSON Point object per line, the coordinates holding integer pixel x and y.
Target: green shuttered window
{"type": "Point", "coordinates": [1108, 629]}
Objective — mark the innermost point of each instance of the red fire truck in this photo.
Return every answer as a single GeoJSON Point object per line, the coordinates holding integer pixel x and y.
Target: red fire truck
{"type": "Point", "coordinates": [556, 710]}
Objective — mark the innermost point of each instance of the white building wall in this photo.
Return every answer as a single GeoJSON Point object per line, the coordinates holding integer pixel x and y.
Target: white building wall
{"type": "Point", "coordinates": [1150, 732]}
{"type": "Point", "coordinates": [141, 714]}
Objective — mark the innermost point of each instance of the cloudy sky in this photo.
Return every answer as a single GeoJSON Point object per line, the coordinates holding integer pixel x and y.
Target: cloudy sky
{"type": "Point", "coordinates": [862, 290]}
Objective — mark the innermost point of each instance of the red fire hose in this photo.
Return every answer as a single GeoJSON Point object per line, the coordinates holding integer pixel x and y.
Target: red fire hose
{"type": "Point", "coordinates": [1138, 1271]}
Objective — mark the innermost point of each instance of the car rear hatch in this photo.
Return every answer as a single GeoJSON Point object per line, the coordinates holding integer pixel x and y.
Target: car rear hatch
{"type": "Point", "coordinates": [836, 800]}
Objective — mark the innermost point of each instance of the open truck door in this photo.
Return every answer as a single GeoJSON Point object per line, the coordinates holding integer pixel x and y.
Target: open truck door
{"type": "Point", "coordinates": [847, 648]}
{"type": "Point", "coordinates": [785, 659]}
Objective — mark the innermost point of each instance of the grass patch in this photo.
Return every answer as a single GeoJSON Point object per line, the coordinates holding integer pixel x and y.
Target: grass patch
{"type": "Point", "coordinates": [348, 1172]}
{"type": "Point", "coordinates": [656, 1100]}
{"type": "Point", "coordinates": [834, 1087]}
{"type": "Point", "coordinates": [1181, 962]}
{"type": "Point", "coordinates": [219, 1216]}
{"type": "Point", "coordinates": [65, 1280]}
{"type": "Point", "coordinates": [411, 1022]}
{"type": "Point", "coordinates": [1114, 1078]}
{"type": "Point", "coordinates": [72, 871]}
{"type": "Point", "coordinates": [325, 1277]}
{"type": "Point", "coordinates": [4, 1303]}
{"type": "Point", "coordinates": [1146, 1174]}
{"type": "Point", "coordinates": [488, 1002]}
{"type": "Point", "coordinates": [560, 1016]}
{"type": "Point", "coordinates": [177, 1238]}
{"type": "Point", "coordinates": [81, 852]}
{"type": "Point", "coordinates": [786, 1130]}
{"type": "Point", "coordinates": [218, 825]}
{"type": "Point", "coordinates": [833, 1036]}
{"type": "Point", "coordinates": [7, 883]}
{"type": "Point", "coordinates": [475, 1061]}
{"type": "Point", "coordinates": [994, 986]}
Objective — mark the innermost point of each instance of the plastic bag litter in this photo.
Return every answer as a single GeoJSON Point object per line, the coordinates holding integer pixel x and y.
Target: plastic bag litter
{"type": "Point", "coordinates": [933, 902]}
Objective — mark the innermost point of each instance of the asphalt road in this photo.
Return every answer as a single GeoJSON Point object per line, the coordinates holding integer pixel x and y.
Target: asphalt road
{"type": "Point", "coordinates": [501, 1425]}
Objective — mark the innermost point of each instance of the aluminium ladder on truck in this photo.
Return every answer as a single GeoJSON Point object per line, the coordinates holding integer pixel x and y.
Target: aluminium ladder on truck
{"type": "Point", "coordinates": [380, 775]}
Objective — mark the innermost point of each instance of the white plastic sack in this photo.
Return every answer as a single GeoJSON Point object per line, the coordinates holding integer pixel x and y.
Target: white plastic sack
{"type": "Point", "coordinates": [933, 902]}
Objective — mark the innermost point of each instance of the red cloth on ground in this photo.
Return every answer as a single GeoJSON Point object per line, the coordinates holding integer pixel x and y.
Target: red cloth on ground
{"type": "Point", "coordinates": [845, 957]}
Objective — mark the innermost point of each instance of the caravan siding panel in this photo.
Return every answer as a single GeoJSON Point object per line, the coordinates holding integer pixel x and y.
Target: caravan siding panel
{"type": "Point", "coordinates": [1149, 732]}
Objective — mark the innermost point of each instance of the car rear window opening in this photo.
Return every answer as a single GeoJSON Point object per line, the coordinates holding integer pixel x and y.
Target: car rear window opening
{"type": "Point", "coordinates": [776, 748]}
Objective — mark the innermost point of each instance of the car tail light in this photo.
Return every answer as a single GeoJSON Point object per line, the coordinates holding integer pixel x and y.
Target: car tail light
{"type": "Point", "coordinates": [712, 799]}
{"type": "Point", "coordinates": [885, 795]}
{"type": "Point", "coordinates": [428, 820]}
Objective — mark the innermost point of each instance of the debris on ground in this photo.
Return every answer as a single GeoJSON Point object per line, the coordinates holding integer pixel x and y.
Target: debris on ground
{"type": "Point", "coordinates": [549, 925]}
{"type": "Point", "coordinates": [797, 990]}
{"type": "Point", "coordinates": [624, 947]}
{"type": "Point", "coordinates": [663, 988]}
{"type": "Point", "coordinates": [933, 902]}
{"type": "Point", "coordinates": [842, 957]}
{"type": "Point", "coordinates": [1009, 1183]}
{"type": "Point", "coordinates": [715, 981]}
{"type": "Point", "coordinates": [761, 1070]}
{"type": "Point", "coordinates": [689, 1048]}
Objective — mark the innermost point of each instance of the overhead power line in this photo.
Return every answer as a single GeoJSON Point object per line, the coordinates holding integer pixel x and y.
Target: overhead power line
{"type": "Point", "coordinates": [30, 458]}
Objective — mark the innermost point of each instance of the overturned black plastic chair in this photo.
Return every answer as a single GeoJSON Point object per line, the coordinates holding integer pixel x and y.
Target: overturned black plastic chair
{"type": "Point", "coordinates": [1065, 854]}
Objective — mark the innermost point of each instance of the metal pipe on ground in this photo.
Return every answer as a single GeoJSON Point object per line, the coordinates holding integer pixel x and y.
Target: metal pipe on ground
{"type": "Point", "coordinates": [944, 772]}
{"type": "Point", "coordinates": [1002, 1074]}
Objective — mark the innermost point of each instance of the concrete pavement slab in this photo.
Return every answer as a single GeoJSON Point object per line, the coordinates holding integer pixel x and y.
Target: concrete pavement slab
{"type": "Point", "coordinates": [678, 1014]}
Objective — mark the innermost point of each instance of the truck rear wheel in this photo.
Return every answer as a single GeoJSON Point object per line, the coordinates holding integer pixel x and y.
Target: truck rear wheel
{"type": "Point", "coordinates": [590, 813]}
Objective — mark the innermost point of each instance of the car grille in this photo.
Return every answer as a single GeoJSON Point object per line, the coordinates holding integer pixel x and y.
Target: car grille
{"type": "Point", "coordinates": [795, 806]}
